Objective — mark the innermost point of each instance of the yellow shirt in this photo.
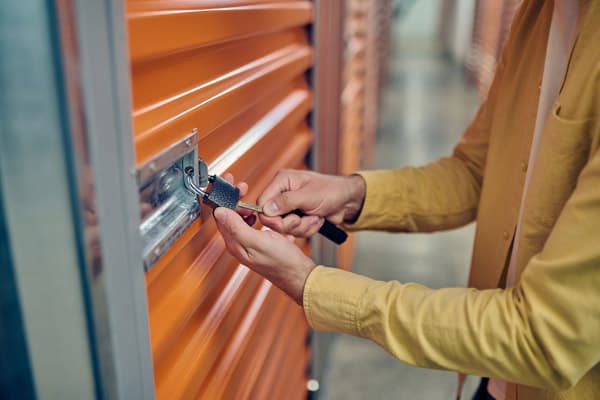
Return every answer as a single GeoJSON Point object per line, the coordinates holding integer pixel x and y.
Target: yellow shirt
{"type": "Point", "coordinates": [543, 334]}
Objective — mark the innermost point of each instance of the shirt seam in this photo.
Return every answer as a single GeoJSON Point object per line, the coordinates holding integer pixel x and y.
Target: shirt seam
{"type": "Point", "coordinates": [358, 307]}
{"type": "Point", "coordinates": [447, 214]}
{"type": "Point", "coordinates": [306, 301]}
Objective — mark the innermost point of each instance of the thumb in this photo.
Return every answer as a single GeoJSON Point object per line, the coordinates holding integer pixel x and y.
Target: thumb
{"type": "Point", "coordinates": [285, 202]}
{"type": "Point", "coordinates": [233, 226]}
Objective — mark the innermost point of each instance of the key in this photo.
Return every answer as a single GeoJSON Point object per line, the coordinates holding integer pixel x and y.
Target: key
{"type": "Point", "coordinates": [224, 194]}
{"type": "Point", "coordinates": [328, 229]}
{"type": "Point", "coordinates": [249, 206]}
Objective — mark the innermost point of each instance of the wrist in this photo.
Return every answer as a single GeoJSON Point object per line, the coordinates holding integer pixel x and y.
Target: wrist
{"type": "Point", "coordinates": [356, 191]}
{"type": "Point", "coordinates": [300, 298]}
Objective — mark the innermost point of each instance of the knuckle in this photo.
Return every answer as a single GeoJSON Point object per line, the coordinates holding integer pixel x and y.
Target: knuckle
{"type": "Point", "coordinates": [300, 231]}
{"type": "Point", "coordinates": [291, 222]}
{"type": "Point", "coordinates": [273, 223]}
{"type": "Point", "coordinates": [285, 197]}
{"type": "Point", "coordinates": [280, 174]}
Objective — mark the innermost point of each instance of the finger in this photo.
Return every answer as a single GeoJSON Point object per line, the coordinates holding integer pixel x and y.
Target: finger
{"type": "Point", "coordinates": [229, 177]}
{"type": "Point", "coordinates": [285, 202]}
{"type": "Point", "coordinates": [308, 226]}
{"type": "Point", "coordinates": [291, 222]}
{"type": "Point", "coordinates": [279, 184]}
{"type": "Point", "coordinates": [233, 226]}
{"type": "Point", "coordinates": [275, 223]}
{"type": "Point", "coordinates": [291, 238]}
{"type": "Point", "coordinates": [243, 187]}
{"type": "Point", "coordinates": [314, 228]}
{"type": "Point", "coordinates": [239, 237]}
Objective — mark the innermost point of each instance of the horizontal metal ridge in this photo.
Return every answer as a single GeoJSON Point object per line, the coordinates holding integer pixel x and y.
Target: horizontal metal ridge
{"type": "Point", "coordinates": [179, 105]}
{"type": "Point", "coordinates": [173, 306]}
{"type": "Point", "coordinates": [247, 327]}
{"type": "Point", "coordinates": [135, 6]}
{"type": "Point", "coordinates": [198, 348]}
{"type": "Point", "coordinates": [265, 125]}
{"type": "Point", "coordinates": [248, 371]}
{"type": "Point", "coordinates": [199, 67]}
{"type": "Point", "coordinates": [197, 27]}
{"type": "Point", "coordinates": [294, 326]}
{"type": "Point", "coordinates": [216, 110]}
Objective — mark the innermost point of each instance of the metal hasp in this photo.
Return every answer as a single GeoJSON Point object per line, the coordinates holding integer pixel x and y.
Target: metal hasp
{"type": "Point", "coordinates": [167, 207]}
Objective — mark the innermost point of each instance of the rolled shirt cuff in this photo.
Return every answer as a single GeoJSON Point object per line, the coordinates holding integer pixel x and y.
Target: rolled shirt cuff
{"type": "Point", "coordinates": [331, 299]}
{"type": "Point", "coordinates": [378, 192]}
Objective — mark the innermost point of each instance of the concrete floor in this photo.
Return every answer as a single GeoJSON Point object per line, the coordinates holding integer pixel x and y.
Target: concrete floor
{"type": "Point", "coordinates": [426, 107]}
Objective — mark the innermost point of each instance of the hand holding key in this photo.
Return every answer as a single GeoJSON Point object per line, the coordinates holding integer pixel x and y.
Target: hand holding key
{"type": "Point", "coordinates": [319, 197]}
{"type": "Point", "coordinates": [265, 252]}
{"type": "Point", "coordinates": [222, 193]}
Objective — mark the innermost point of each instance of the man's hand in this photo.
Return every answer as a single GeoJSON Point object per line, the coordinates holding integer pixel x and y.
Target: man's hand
{"type": "Point", "coordinates": [265, 252]}
{"type": "Point", "coordinates": [337, 198]}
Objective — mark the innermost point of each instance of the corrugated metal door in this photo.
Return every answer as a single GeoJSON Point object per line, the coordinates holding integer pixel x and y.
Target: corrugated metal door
{"type": "Point", "coordinates": [367, 39]}
{"type": "Point", "coordinates": [234, 70]}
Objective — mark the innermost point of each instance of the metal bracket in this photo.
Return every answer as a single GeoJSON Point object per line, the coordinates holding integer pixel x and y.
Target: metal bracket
{"type": "Point", "coordinates": [167, 207]}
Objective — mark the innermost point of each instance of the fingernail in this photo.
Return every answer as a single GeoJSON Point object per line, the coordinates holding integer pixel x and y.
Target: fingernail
{"type": "Point", "coordinates": [220, 214]}
{"type": "Point", "coordinates": [313, 219]}
{"type": "Point", "coordinates": [271, 208]}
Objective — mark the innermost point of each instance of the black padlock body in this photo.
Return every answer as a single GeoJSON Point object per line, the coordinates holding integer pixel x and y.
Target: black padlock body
{"type": "Point", "coordinates": [222, 194]}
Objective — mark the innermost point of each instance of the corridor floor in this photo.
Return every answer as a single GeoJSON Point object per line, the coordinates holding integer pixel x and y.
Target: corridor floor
{"type": "Point", "coordinates": [426, 106]}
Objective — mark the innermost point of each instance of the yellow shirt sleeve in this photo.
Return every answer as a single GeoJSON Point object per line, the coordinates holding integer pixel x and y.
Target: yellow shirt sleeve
{"type": "Point", "coordinates": [544, 332]}
{"type": "Point", "coordinates": [438, 196]}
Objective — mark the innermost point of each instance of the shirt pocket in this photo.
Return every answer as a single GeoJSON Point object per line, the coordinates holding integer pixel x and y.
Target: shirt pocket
{"type": "Point", "coordinates": [563, 151]}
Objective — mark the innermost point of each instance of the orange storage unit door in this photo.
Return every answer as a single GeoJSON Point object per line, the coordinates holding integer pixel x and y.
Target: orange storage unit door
{"type": "Point", "coordinates": [233, 70]}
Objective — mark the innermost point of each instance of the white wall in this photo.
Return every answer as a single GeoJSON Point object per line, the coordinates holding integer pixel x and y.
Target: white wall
{"type": "Point", "coordinates": [421, 19]}
{"type": "Point", "coordinates": [463, 29]}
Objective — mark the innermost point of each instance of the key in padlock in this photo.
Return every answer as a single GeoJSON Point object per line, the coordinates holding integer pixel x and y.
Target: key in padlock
{"type": "Point", "coordinates": [224, 194]}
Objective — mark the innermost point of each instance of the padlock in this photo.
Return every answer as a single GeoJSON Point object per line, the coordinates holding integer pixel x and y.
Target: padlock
{"type": "Point", "coordinates": [221, 194]}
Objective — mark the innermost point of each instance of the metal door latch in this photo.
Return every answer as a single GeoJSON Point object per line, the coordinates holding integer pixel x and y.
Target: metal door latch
{"type": "Point", "coordinates": [167, 207]}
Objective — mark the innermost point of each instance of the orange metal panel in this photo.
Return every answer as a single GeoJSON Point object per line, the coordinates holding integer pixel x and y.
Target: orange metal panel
{"type": "Point", "coordinates": [267, 384]}
{"type": "Point", "coordinates": [157, 32]}
{"type": "Point", "coordinates": [205, 102]}
{"type": "Point", "coordinates": [248, 370]}
{"type": "Point", "coordinates": [234, 70]}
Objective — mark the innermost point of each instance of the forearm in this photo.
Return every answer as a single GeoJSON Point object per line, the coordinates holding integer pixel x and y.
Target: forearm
{"type": "Point", "coordinates": [544, 332]}
{"type": "Point", "coordinates": [485, 333]}
{"type": "Point", "coordinates": [441, 195]}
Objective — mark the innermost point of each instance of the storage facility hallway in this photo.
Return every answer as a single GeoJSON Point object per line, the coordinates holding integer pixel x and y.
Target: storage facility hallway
{"type": "Point", "coordinates": [190, 192]}
{"type": "Point", "coordinates": [425, 107]}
